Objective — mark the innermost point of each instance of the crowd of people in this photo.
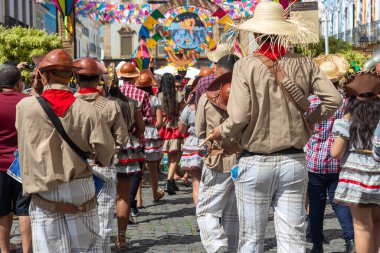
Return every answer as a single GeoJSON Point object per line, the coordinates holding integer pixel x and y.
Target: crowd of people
{"type": "Point", "coordinates": [274, 129]}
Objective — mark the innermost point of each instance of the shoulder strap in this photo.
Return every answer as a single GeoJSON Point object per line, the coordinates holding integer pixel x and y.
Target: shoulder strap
{"type": "Point", "coordinates": [61, 130]}
{"type": "Point", "coordinates": [274, 67]}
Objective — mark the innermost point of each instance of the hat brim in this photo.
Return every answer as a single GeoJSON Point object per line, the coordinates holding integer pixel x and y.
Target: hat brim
{"type": "Point", "coordinates": [129, 75]}
{"type": "Point", "coordinates": [218, 53]}
{"type": "Point", "coordinates": [213, 91]}
{"type": "Point", "coordinates": [60, 67]}
{"type": "Point", "coordinates": [272, 27]}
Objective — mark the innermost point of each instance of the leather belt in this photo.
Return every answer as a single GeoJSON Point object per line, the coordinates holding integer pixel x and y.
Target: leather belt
{"type": "Point", "coordinates": [63, 207]}
{"type": "Point", "coordinates": [287, 151]}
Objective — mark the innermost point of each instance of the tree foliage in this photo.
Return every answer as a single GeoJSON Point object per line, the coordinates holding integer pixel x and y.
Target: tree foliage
{"type": "Point", "coordinates": [336, 46]}
{"type": "Point", "coordinates": [20, 44]}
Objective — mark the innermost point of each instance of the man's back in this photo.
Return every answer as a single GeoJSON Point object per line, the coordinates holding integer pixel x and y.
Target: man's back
{"type": "Point", "coordinates": [45, 157]}
{"type": "Point", "coordinates": [8, 132]}
{"type": "Point", "coordinates": [263, 119]}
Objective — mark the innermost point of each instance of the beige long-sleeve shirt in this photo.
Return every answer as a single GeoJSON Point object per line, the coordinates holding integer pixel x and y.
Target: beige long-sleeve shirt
{"type": "Point", "coordinates": [208, 117]}
{"type": "Point", "coordinates": [261, 118]}
{"type": "Point", "coordinates": [111, 113]}
{"type": "Point", "coordinates": [46, 159]}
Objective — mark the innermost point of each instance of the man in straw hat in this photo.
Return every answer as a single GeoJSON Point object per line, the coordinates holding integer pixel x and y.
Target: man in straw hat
{"type": "Point", "coordinates": [323, 170]}
{"type": "Point", "coordinates": [216, 210]}
{"type": "Point", "coordinates": [129, 74]}
{"type": "Point", "coordinates": [55, 171]}
{"type": "Point", "coordinates": [207, 76]}
{"type": "Point", "coordinates": [12, 201]}
{"type": "Point", "coordinates": [88, 78]}
{"type": "Point", "coordinates": [267, 102]}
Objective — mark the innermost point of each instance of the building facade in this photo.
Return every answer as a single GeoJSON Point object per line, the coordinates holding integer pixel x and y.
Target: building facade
{"type": "Point", "coordinates": [18, 12]}
{"type": "Point", "coordinates": [351, 20]}
{"type": "Point", "coordinates": [87, 38]}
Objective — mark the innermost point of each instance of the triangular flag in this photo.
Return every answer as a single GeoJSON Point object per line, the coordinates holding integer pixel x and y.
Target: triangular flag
{"type": "Point", "coordinates": [150, 22]}
{"type": "Point", "coordinates": [211, 43]}
{"type": "Point", "coordinates": [157, 14]}
{"type": "Point", "coordinates": [144, 32]}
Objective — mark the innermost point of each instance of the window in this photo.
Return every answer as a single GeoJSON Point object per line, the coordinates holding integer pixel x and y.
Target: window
{"type": "Point", "coordinates": [92, 48]}
{"type": "Point", "coordinates": [160, 48]}
{"type": "Point", "coordinates": [126, 41]}
{"type": "Point", "coordinates": [85, 31]}
{"type": "Point", "coordinates": [126, 45]}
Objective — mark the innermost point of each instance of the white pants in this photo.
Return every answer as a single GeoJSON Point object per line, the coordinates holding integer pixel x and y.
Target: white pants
{"type": "Point", "coordinates": [216, 211]}
{"type": "Point", "coordinates": [281, 181]}
{"type": "Point", "coordinates": [106, 206]}
{"type": "Point", "coordinates": [66, 233]}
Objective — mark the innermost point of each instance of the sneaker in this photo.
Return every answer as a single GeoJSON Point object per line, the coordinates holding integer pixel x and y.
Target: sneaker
{"type": "Point", "coordinates": [350, 246]}
{"type": "Point", "coordinates": [134, 211]}
{"type": "Point", "coordinates": [317, 248]}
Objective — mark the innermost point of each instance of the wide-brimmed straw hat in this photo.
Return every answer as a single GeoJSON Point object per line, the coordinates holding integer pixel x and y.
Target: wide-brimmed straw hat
{"type": "Point", "coordinates": [335, 67]}
{"type": "Point", "coordinates": [57, 59]}
{"type": "Point", "coordinates": [363, 85]}
{"type": "Point", "coordinates": [270, 18]}
{"type": "Point", "coordinates": [128, 70]}
{"type": "Point", "coordinates": [218, 91]}
{"type": "Point", "coordinates": [218, 52]}
{"type": "Point", "coordinates": [88, 67]}
{"type": "Point", "coordinates": [146, 79]}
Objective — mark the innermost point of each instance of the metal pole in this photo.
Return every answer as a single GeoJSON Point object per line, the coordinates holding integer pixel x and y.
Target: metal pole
{"type": "Point", "coordinates": [327, 29]}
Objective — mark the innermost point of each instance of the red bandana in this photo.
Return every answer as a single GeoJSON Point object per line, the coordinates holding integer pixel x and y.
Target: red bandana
{"type": "Point", "coordinates": [60, 100]}
{"type": "Point", "coordinates": [272, 52]}
{"type": "Point", "coordinates": [88, 91]}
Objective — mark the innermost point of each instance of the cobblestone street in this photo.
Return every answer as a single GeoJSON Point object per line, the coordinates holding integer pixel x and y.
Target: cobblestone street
{"type": "Point", "coordinates": [170, 226]}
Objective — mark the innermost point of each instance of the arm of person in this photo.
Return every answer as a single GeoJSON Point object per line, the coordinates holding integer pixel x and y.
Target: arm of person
{"type": "Point", "coordinates": [183, 122]}
{"type": "Point", "coordinates": [238, 108]}
{"type": "Point", "coordinates": [102, 142]}
{"type": "Point", "coordinates": [139, 124]}
{"type": "Point", "coordinates": [147, 110]}
{"type": "Point", "coordinates": [330, 98]}
{"type": "Point", "coordinates": [159, 118]}
{"type": "Point", "coordinates": [200, 118]}
{"type": "Point", "coordinates": [376, 143]}
{"type": "Point", "coordinates": [341, 131]}
{"type": "Point", "coordinates": [119, 128]}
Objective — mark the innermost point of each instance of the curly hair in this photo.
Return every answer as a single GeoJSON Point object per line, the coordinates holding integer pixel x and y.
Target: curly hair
{"type": "Point", "coordinates": [365, 115]}
{"type": "Point", "coordinates": [170, 105]}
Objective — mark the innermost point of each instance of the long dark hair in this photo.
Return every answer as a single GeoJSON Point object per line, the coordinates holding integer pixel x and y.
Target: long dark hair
{"type": "Point", "coordinates": [148, 90]}
{"type": "Point", "coordinates": [365, 115]}
{"type": "Point", "coordinates": [170, 105]}
{"type": "Point", "coordinates": [114, 93]}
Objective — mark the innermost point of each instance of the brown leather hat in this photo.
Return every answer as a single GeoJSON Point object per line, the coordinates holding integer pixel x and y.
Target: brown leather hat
{"type": "Point", "coordinates": [88, 67]}
{"type": "Point", "coordinates": [103, 69]}
{"type": "Point", "coordinates": [378, 67]}
{"type": "Point", "coordinates": [362, 84]}
{"type": "Point", "coordinates": [219, 90]}
{"type": "Point", "coordinates": [206, 72]}
{"type": "Point", "coordinates": [146, 79]}
{"type": "Point", "coordinates": [37, 59]}
{"type": "Point", "coordinates": [128, 70]}
{"type": "Point", "coordinates": [57, 59]}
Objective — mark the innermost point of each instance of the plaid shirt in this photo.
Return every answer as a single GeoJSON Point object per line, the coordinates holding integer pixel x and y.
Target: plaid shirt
{"type": "Point", "coordinates": [318, 156]}
{"type": "Point", "coordinates": [141, 96]}
{"type": "Point", "coordinates": [202, 86]}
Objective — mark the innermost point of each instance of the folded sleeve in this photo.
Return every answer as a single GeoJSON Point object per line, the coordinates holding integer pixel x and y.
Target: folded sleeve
{"type": "Point", "coordinates": [341, 128]}
{"type": "Point", "coordinates": [330, 98]}
{"type": "Point", "coordinates": [239, 105]}
{"type": "Point", "coordinates": [376, 143]}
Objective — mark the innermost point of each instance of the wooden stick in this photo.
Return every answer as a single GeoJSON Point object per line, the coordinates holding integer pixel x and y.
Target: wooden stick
{"type": "Point", "coordinates": [205, 141]}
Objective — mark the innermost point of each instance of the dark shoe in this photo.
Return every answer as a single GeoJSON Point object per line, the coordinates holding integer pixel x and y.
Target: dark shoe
{"type": "Point", "coordinates": [222, 249]}
{"type": "Point", "coordinates": [350, 246]}
{"type": "Point", "coordinates": [134, 211]}
{"type": "Point", "coordinates": [169, 187]}
{"type": "Point", "coordinates": [317, 248]}
{"type": "Point", "coordinates": [175, 187]}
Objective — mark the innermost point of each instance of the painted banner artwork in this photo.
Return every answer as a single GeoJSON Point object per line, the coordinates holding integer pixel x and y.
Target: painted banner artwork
{"type": "Point", "coordinates": [188, 31]}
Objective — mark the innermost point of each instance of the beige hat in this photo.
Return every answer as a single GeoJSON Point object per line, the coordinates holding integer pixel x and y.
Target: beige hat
{"type": "Point", "coordinates": [333, 66]}
{"type": "Point", "coordinates": [218, 52]}
{"type": "Point", "coordinates": [270, 18]}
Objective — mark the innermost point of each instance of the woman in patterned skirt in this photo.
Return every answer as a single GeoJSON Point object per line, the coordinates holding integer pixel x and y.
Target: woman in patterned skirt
{"type": "Point", "coordinates": [359, 180]}
{"type": "Point", "coordinates": [127, 160]}
{"type": "Point", "coordinates": [192, 156]}
{"type": "Point", "coordinates": [153, 142]}
{"type": "Point", "coordinates": [170, 133]}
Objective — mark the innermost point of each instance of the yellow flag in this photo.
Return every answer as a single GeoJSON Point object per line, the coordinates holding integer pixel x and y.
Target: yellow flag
{"type": "Point", "coordinates": [227, 21]}
{"type": "Point", "coordinates": [151, 43]}
{"type": "Point", "coordinates": [211, 44]}
{"type": "Point", "coordinates": [150, 22]}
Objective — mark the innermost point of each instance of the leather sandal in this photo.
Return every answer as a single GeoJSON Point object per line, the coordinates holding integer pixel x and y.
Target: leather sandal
{"type": "Point", "coordinates": [121, 242]}
{"type": "Point", "coordinates": [159, 195]}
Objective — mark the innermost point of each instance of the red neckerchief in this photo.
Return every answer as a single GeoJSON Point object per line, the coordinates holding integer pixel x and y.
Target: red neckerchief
{"type": "Point", "coordinates": [88, 91]}
{"type": "Point", "coordinates": [271, 51]}
{"type": "Point", "coordinates": [60, 100]}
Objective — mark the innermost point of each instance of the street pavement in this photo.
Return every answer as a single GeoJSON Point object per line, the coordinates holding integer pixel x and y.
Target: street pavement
{"type": "Point", "coordinates": [169, 226]}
